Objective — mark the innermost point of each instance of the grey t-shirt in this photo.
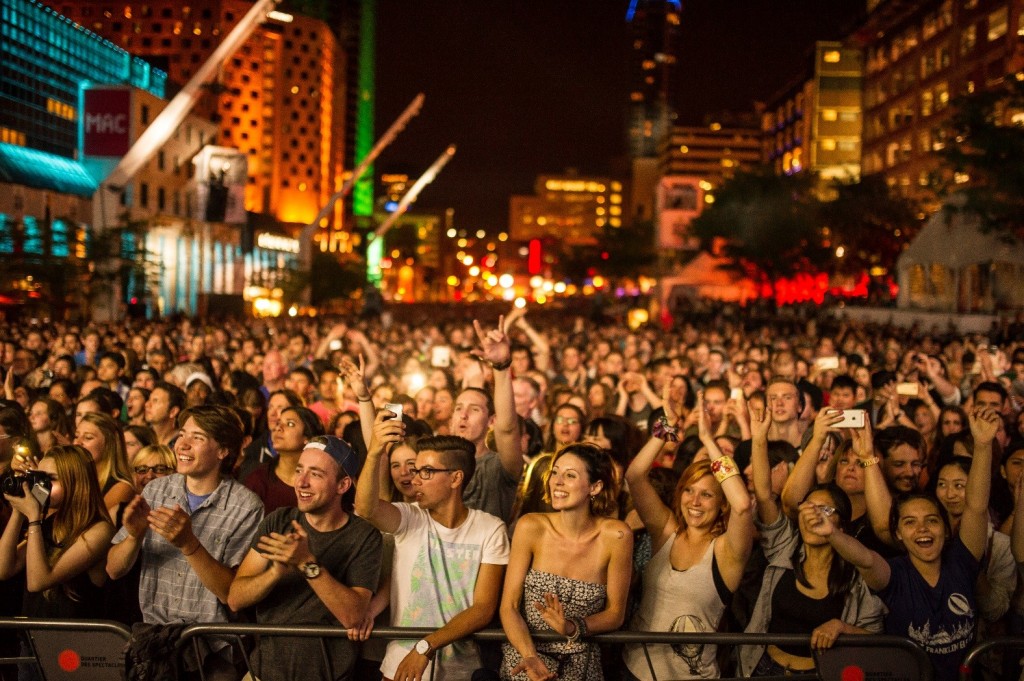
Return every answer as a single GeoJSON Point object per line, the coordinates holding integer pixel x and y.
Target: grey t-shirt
{"type": "Point", "coordinates": [491, 489]}
{"type": "Point", "coordinates": [352, 555]}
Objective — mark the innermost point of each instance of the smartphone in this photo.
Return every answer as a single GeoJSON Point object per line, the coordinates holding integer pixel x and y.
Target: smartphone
{"type": "Point", "coordinates": [736, 394]}
{"type": "Point", "coordinates": [852, 418]}
{"type": "Point", "coordinates": [395, 409]}
{"type": "Point", "coordinates": [334, 345]}
{"type": "Point", "coordinates": [826, 363]}
{"type": "Point", "coordinates": [908, 389]}
{"type": "Point", "coordinates": [441, 356]}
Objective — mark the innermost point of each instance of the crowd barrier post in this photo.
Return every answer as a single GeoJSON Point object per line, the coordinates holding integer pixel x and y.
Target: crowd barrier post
{"type": "Point", "coordinates": [979, 649]}
{"type": "Point", "coordinates": [96, 647]}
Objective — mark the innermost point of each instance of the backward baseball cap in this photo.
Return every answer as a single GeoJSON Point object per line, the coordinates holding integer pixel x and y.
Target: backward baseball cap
{"type": "Point", "coordinates": [340, 451]}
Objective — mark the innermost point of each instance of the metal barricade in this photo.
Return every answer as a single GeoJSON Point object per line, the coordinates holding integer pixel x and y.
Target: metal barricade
{"type": "Point", "coordinates": [922, 668]}
{"type": "Point", "coordinates": [967, 667]}
{"type": "Point", "coordinates": [92, 652]}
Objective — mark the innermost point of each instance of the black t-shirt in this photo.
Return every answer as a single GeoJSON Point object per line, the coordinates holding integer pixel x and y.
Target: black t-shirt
{"type": "Point", "coordinates": [794, 612]}
{"type": "Point", "coordinates": [352, 555]}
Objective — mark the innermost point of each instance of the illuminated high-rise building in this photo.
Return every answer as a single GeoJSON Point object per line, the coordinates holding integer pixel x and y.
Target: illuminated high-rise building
{"type": "Point", "coordinates": [569, 209]}
{"type": "Point", "coordinates": [814, 124]}
{"type": "Point", "coordinates": [653, 29]}
{"type": "Point", "coordinates": [280, 98]}
{"type": "Point", "coordinates": [919, 56]}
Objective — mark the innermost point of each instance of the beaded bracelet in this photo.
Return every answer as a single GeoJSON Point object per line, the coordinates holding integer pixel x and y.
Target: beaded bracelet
{"type": "Point", "coordinates": [724, 468]}
{"type": "Point", "coordinates": [663, 431]}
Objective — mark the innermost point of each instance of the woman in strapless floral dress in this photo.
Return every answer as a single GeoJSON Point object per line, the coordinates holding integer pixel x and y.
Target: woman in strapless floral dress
{"type": "Point", "coordinates": [568, 572]}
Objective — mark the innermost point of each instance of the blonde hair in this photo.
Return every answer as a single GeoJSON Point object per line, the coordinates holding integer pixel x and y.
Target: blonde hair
{"type": "Point", "coordinates": [165, 453]}
{"type": "Point", "coordinates": [114, 462]}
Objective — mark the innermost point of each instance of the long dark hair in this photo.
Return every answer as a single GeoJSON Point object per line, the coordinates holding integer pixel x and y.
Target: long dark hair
{"type": "Point", "coordinates": [841, 573]}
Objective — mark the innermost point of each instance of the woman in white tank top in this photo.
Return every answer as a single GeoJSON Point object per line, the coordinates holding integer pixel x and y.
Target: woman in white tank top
{"type": "Point", "coordinates": [700, 547]}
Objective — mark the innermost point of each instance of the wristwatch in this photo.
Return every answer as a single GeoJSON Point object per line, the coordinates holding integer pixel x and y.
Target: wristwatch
{"type": "Point", "coordinates": [423, 648]}
{"type": "Point", "coordinates": [310, 570]}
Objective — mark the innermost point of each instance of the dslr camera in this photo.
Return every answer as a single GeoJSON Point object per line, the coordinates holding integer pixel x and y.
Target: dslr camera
{"type": "Point", "coordinates": [38, 484]}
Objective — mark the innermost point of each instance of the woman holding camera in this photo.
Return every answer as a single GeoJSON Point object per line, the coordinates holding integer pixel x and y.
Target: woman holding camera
{"type": "Point", "coordinates": [64, 547]}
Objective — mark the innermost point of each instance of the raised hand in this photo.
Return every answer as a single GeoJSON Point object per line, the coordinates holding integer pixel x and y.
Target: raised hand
{"type": "Point", "coordinates": [760, 424]}
{"type": "Point", "coordinates": [824, 421]}
{"type": "Point", "coordinates": [136, 517]}
{"type": "Point", "coordinates": [494, 344]}
{"type": "Point", "coordinates": [174, 525]}
{"type": "Point", "coordinates": [354, 377]}
{"type": "Point", "coordinates": [984, 425]}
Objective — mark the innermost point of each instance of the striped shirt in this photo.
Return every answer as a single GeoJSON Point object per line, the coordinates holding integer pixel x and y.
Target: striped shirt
{"type": "Point", "coordinates": [225, 523]}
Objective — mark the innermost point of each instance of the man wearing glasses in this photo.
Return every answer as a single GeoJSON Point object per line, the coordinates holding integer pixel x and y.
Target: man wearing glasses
{"type": "Point", "coordinates": [449, 559]}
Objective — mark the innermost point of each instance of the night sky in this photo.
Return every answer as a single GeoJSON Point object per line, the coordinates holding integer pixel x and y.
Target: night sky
{"type": "Point", "coordinates": [526, 87]}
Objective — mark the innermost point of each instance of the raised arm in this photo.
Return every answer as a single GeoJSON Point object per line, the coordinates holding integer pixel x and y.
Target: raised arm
{"type": "Point", "coordinates": [495, 350]}
{"type": "Point", "coordinates": [760, 466]}
{"type": "Point", "coordinates": [539, 346]}
{"type": "Point", "coordinates": [871, 566]}
{"type": "Point", "coordinates": [802, 478]}
{"type": "Point", "coordinates": [974, 521]}
{"type": "Point", "coordinates": [876, 492]}
{"type": "Point", "coordinates": [355, 378]}
{"type": "Point", "coordinates": [655, 515]}
{"type": "Point", "coordinates": [739, 533]}
{"type": "Point", "coordinates": [381, 514]}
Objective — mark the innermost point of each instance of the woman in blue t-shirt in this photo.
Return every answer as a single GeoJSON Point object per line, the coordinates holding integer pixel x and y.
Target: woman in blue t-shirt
{"type": "Point", "coordinates": [930, 590]}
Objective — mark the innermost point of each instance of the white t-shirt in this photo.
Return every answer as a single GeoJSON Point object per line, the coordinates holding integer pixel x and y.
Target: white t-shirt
{"type": "Point", "coordinates": [433, 578]}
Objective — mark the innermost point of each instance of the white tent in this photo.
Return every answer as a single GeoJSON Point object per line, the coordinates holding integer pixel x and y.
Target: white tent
{"type": "Point", "coordinates": [952, 266]}
{"type": "Point", "coordinates": [707, 276]}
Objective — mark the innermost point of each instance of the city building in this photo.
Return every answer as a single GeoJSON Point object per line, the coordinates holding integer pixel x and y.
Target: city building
{"type": "Point", "coordinates": [653, 29]}
{"type": "Point", "coordinates": [919, 56]}
{"type": "Point", "coordinates": [815, 124]}
{"type": "Point", "coordinates": [567, 209]}
{"type": "Point", "coordinates": [280, 98]}
{"type": "Point", "coordinates": [46, 189]}
{"type": "Point", "coordinates": [712, 152]}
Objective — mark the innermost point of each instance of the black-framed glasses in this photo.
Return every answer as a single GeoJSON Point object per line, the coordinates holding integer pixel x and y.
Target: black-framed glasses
{"type": "Point", "coordinates": [426, 473]}
{"type": "Point", "coordinates": [159, 470]}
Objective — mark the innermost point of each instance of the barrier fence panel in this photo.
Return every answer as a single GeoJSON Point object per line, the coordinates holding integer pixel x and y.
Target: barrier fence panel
{"type": "Point", "coordinates": [848, 659]}
{"type": "Point", "coordinates": [83, 650]}
{"type": "Point", "coordinates": [973, 656]}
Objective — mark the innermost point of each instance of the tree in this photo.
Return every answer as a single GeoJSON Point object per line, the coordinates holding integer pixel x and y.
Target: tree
{"type": "Point", "coordinates": [985, 147]}
{"type": "Point", "coordinates": [870, 222]}
{"type": "Point", "coordinates": [330, 278]}
{"type": "Point", "coordinates": [767, 220]}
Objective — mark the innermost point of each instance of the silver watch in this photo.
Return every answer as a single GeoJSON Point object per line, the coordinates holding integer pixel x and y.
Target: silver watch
{"type": "Point", "coordinates": [423, 648]}
{"type": "Point", "coordinates": [310, 570]}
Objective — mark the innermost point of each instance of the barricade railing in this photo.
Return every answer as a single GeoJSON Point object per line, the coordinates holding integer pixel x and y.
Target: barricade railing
{"type": "Point", "coordinates": [922, 668]}
{"type": "Point", "coordinates": [967, 667]}
{"type": "Point", "coordinates": [95, 648]}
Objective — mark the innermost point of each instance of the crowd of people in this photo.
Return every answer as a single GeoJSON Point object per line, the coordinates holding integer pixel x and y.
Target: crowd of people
{"type": "Point", "coordinates": [782, 474]}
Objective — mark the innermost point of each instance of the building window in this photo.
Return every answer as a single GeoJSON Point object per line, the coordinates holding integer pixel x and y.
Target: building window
{"type": "Point", "coordinates": [829, 114]}
{"type": "Point", "coordinates": [997, 23]}
{"type": "Point", "coordinates": [968, 38]}
{"type": "Point", "coordinates": [926, 103]}
{"type": "Point", "coordinates": [143, 195]}
{"type": "Point", "coordinates": [831, 57]}
{"type": "Point", "coordinates": [161, 198]}
{"type": "Point", "coordinates": [828, 144]}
